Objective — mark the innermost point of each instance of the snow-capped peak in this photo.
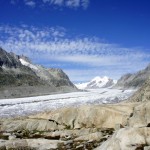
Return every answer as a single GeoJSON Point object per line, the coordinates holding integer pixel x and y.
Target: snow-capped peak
{"type": "Point", "coordinates": [97, 82]}
{"type": "Point", "coordinates": [98, 79]}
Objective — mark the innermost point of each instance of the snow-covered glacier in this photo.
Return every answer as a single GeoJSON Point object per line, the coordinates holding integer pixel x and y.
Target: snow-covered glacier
{"type": "Point", "coordinates": [31, 105]}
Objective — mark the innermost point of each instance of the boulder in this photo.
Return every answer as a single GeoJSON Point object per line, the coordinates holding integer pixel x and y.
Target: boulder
{"type": "Point", "coordinates": [128, 139]}
{"type": "Point", "coordinates": [140, 116]}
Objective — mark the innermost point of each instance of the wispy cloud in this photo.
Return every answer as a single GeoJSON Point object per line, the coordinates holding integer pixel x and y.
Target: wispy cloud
{"type": "Point", "coordinates": [82, 58]}
{"type": "Point", "coordinates": [59, 3]}
{"type": "Point", "coordinates": [69, 3]}
{"type": "Point", "coordinates": [30, 3]}
{"type": "Point", "coordinates": [85, 3]}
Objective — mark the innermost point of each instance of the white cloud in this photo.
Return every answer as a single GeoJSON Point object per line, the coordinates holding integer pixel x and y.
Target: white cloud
{"type": "Point", "coordinates": [57, 2]}
{"type": "Point", "coordinates": [60, 3]}
{"type": "Point", "coordinates": [73, 3]}
{"type": "Point", "coordinates": [68, 3]}
{"type": "Point", "coordinates": [51, 45]}
{"type": "Point", "coordinates": [29, 3]}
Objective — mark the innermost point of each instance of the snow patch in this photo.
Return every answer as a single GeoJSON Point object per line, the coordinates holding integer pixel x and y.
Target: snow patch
{"type": "Point", "coordinates": [25, 63]}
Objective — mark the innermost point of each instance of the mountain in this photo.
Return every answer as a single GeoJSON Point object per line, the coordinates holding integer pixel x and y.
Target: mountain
{"type": "Point", "coordinates": [135, 80]}
{"type": "Point", "coordinates": [19, 77]}
{"type": "Point", "coordinates": [53, 76]}
{"type": "Point", "coordinates": [97, 82]}
{"type": "Point", "coordinates": [143, 94]}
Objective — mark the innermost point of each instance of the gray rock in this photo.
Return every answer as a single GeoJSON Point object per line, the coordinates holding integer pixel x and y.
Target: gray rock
{"type": "Point", "coordinates": [93, 136]}
{"type": "Point", "coordinates": [30, 144]}
{"type": "Point", "coordinates": [7, 134]}
{"type": "Point", "coordinates": [29, 125]}
{"type": "Point", "coordinates": [127, 139]}
{"type": "Point", "coordinates": [140, 116]}
{"type": "Point", "coordinates": [147, 148]}
{"type": "Point", "coordinates": [68, 142]}
{"type": "Point", "coordinates": [93, 116]}
{"type": "Point", "coordinates": [12, 137]}
{"type": "Point", "coordinates": [80, 146]}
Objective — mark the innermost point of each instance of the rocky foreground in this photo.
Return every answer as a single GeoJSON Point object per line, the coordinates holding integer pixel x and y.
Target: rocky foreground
{"type": "Point", "coordinates": [122, 126]}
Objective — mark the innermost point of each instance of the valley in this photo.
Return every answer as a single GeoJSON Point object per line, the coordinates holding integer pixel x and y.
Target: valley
{"type": "Point", "coordinates": [41, 109]}
{"type": "Point", "coordinates": [31, 105]}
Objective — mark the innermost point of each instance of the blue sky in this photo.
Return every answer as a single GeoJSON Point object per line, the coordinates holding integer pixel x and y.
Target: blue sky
{"type": "Point", "coordinates": [86, 38]}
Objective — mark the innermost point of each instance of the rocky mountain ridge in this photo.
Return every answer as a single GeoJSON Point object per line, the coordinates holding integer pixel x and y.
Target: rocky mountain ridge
{"type": "Point", "coordinates": [20, 78]}
{"type": "Point", "coordinates": [135, 80]}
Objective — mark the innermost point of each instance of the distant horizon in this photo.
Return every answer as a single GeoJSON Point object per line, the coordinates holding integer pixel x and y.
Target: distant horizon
{"type": "Point", "coordinates": [85, 38]}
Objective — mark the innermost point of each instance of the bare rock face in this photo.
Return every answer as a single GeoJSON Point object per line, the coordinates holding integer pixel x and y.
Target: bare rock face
{"type": "Point", "coordinates": [128, 139]}
{"type": "Point", "coordinates": [140, 116]}
{"type": "Point", "coordinates": [8, 59]}
{"type": "Point", "coordinates": [30, 125]}
{"type": "Point", "coordinates": [90, 116]}
{"type": "Point", "coordinates": [135, 80]}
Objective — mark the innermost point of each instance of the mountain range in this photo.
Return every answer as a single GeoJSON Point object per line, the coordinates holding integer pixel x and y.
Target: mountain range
{"type": "Point", "coordinates": [19, 77]}
{"type": "Point", "coordinates": [127, 81]}
{"type": "Point", "coordinates": [97, 82]}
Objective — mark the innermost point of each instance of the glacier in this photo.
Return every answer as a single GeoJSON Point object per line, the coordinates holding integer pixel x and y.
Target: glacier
{"type": "Point", "coordinates": [31, 105]}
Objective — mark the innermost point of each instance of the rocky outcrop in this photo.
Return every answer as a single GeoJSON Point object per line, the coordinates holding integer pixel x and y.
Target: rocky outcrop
{"type": "Point", "coordinates": [30, 144]}
{"type": "Point", "coordinates": [128, 139]}
{"type": "Point", "coordinates": [10, 125]}
{"type": "Point", "coordinates": [135, 135]}
{"type": "Point", "coordinates": [20, 78]}
{"type": "Point", "coordinates": [135, 80]}
{"type": "Point", "coordinates": [140, 116]}
{"type": "Point", "coordinates": [102, 116]}
{"type": "Point", "coordinates": [45, 134]}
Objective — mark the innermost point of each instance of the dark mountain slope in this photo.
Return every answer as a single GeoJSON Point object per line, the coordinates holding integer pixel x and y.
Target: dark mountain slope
{"type": "Point", "coordinates": [19, 79]}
